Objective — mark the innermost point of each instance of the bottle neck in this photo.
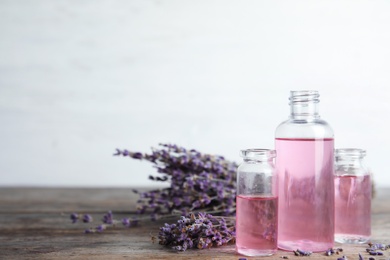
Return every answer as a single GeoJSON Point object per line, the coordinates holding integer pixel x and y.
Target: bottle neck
{"type": "Point", "coordinates": [348, 162]}
{"type": "Point", "coordinates": [304, 104]}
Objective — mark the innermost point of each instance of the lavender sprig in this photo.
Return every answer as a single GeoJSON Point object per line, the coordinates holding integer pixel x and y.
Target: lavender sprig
{"type": "Point", "coordinates": [201, 231]}
{"type": "Point", "coordinates": [198, 182]}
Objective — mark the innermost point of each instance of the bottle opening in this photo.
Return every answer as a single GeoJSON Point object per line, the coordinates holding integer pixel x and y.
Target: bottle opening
{"type": "Point", "coordinates": [258, 153]}
{"type": "Point", "coordinates": [304, 96]}
{"type": "Point", "coordinates": [350, 152]}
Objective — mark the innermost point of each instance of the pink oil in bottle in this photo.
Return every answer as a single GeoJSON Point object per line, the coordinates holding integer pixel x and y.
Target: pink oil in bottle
{"type": "Point", "coordinates": [353, 209]}
{"type": "Point", "coordinates": [256, 225]}
{"type": "Point", "coordinates": [306, 193]}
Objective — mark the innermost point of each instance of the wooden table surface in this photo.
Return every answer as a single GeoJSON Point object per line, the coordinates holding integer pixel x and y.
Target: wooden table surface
{"type": "Point", "coordinates": [35, 224]}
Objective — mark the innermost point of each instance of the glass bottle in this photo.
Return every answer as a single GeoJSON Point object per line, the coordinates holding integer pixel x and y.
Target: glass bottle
{"type": "Point", "coordinates": [305, 147]}
{"type": "Point", "coordinates": [352, 197]}
{"type": "Point", "coordinates": [256, 204]}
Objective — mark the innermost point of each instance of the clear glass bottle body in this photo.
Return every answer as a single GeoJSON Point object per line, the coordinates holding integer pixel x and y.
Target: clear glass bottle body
{"type": "Point", "coordinates": [352, 197]}
{"type": "Point", "coordinates": [256, 204]}
{"type": "Point", "coordinates": [305, 147]}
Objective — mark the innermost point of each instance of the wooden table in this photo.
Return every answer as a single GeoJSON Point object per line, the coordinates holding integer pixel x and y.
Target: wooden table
{"type": "Point", "coordinates": [35, 224]}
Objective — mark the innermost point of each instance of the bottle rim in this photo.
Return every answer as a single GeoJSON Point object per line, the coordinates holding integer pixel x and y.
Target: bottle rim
{"type": "Point", "coordinates": [350, 152]}
{"type": "Point", "coordinates": [257, 153]}
{"type": "Point", "coordinates": [300, 96]}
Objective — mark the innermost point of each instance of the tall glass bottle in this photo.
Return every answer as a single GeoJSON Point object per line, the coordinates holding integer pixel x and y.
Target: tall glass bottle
{"type": "Point", "coordinates": [352, 197]}
{"type": "Point", "coordinates": [305, 147]}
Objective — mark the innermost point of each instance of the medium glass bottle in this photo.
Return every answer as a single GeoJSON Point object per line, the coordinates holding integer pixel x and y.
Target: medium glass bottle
{"type": "Point", "coordinates": [256, 204]}
{"type": "Point", "coordinates": [305, 148]}
{"type": "Point", "coordinates": [352, 197]}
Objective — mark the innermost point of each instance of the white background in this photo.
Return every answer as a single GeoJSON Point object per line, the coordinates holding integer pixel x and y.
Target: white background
{"type": "Point", "coordinates": [81, 78]}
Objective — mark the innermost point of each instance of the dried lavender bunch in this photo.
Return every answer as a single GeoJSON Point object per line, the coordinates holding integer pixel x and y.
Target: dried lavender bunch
{"type": "Point", "coordinates": [198, 182]}
{"type": "Point", "coordinates": [201, 231]}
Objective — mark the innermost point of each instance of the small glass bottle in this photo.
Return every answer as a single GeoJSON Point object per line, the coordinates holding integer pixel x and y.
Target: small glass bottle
{"type": "Point", "coordinates": [352, 197]}
{"type": "Point", "coordinates": [256, 204]}
{"type": "Point", "coordinates": [305, 147]}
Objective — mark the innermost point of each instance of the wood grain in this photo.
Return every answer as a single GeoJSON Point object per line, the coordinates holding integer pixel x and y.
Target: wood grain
{"type": "Point", "coordinates": [35, 224]}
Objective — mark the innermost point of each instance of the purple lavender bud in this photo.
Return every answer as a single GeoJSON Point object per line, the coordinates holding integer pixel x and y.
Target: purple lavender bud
{"type": "Point", "coordinates": [196, 204]}
{"type": "Point", "coordinates": [126, 222]}
{"type": "Point", "coordinates": [379, 253]}
{"type": "Point", "coordinates": [190, 243]}
{"type": "Point", "coordinates": [88, 231]}
{"type": "Point", "coordinates": [107, 218]}
{"type": "Point", "coordinates": [360, 257]}
{"type": "Point", "coordinates": [100, 228]}
{"type": "Point", "coordinates": [74, 217]}
{"type": "Point", "coordinates": [87, 218]}
{"type": "Point", "coordinates": [136, 155]}
{"type": "Point", "coordinates": [176, 201]}
{"type": "Point", "coordinates": [373, 252]}
{"type": "Point", "coordinates": [381, 246]}
{"type": "Point", "coordinates": [371, 258]}
{"type": "Point", "coordinates": [378, 246]}
{"type": "Point", "coordinates": [329, 252]}
{"type": "Point", "coordinates": [304, 253]}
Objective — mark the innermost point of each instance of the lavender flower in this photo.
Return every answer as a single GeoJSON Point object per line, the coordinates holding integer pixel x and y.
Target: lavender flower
{"type": "Point", "coordinates": [329, 252]}
{"type": "Point", "coordinates": [299, 252]}
{"type": "Point", "coordinates": [127, 222]}
{"type": "Point", "coordinates": [203, 231]}
{"type": "Point", "coordinates": [375, 253]}
{"type": "Point", "coordinates": [74, 217]}
{"type": "Point", "coordinates": [198, 182]}
{"type": "Point", "coordinates": [108, 218]}
{"type": "Point", "coordinates": [332, 251]}
{"type": "Point", "coordinates": [377, 246]}
{"type": "Point", "coordinates": [373, 248]}
{"type": "Point", "coordinates": [98, 229]}
{"type": "Point", "coordinates": [87, 218]}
